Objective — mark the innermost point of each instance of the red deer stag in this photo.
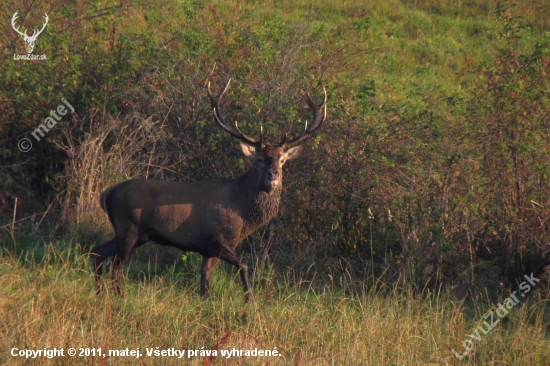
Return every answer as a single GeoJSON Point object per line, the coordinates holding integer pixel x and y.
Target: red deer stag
{"type": "Point", "coordinates": [210, 217]}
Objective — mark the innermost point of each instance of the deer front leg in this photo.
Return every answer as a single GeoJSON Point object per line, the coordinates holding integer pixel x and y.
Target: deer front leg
{"type": "Point", "coordinates": [207, 270]}
{"type": "Point", "coordinates": [230, 256]}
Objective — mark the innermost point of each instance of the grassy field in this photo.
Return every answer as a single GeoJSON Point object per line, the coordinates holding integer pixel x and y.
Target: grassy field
{"type": "Point", "coordinates": [47, 300]}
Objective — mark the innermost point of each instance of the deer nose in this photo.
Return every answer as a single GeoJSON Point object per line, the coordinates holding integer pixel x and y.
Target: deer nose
{"type": "Point", "coordinates": [272, 175]}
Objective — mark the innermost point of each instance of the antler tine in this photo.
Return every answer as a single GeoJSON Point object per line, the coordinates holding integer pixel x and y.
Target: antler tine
{"type": "Point", "coordinates": [13, 19]}
{"type": "Point", "coordinates": [36, 32]}
{"type": "Point", "coordinates": [261, 136]}
{"type": "Point", "coordinates": [318, 118]}
{"type": "Point", "coordinates": [45, 24]}
{"type": "Point", "coordinates": [247, 138]}
{"type": "Point", "coordinates": [283, 142]}
{"type": "Point", "coordinates": [232, 130]}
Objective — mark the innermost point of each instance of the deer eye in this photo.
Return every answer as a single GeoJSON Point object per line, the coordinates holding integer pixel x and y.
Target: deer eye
{"type": "Point", "coordinates": [283, 161]}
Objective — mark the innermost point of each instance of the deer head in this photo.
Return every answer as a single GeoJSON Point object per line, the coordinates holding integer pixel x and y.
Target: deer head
{"type": "Point", "coordinates": [29, 41]}
{"type": "Point", "coordinates": [269, 159]}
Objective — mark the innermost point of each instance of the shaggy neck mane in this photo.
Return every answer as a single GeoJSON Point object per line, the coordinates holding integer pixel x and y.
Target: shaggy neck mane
{"type": "Point", "coordinates": [258, 206]}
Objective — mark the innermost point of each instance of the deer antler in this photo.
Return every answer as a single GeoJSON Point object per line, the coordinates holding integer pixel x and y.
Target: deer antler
{"type": "Point", "coordinates": [37, 33]}
{"type": "Point", "coordinates": [319, 115]}
{"type": "Point", "coordinates": [29, 41]}
{"type": "Point", "coordinates": [233, 130]}
{"type": "Point", "coordinates": [13, 19]}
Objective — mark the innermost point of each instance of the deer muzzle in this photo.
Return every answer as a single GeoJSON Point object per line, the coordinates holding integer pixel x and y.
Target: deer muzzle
{"type": "Point", "coordinates": [273, 178]}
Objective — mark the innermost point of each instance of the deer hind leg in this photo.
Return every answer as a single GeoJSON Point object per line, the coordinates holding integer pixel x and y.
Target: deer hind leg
{"type": "Point", "coordinates": [130, 240]}
{"type": "Point", "coordinates": [230, 256]}
{"type": "Point", "coordinates": [101, 252]}
{"type": "Point", "coordinates": [207, 270]}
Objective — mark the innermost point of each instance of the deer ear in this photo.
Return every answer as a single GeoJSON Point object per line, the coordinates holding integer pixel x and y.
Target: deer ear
{"type": "Point", "coordinates": [293, 152]}
{"type": "Point", "coordinates": [247, 149]}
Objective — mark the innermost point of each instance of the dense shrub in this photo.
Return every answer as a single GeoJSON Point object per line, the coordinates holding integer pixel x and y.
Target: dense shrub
{"type": "Point", "coordinates": [432, 167]}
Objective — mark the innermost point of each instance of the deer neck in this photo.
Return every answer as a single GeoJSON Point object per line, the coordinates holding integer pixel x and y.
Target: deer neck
{"type": "Point", "coordinates": [258, 206]}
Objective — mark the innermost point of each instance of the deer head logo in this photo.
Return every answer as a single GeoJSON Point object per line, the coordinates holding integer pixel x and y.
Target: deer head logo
{"type": "Point", "coordinates": [29, 41]}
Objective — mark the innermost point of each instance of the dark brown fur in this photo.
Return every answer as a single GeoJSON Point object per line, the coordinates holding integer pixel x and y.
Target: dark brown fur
{"type": "Point", "coordinates": [208, 217]}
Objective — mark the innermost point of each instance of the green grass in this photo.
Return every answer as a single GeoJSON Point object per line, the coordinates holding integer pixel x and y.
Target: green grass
{"type": "Point", "coordinates": [402, 76]}
{"type": "Point", "coordinates": [47, 299]}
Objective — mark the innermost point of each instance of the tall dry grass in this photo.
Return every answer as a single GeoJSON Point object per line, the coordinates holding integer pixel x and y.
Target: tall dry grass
{"type": "Point", "coordinates": [103, 150]}
{"type": "Point", "coordinates": [47, 300]}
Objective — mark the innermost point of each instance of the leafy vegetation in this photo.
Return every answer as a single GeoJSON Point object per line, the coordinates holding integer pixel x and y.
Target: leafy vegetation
{"type": "Point", "coordinates": [428, 183]}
